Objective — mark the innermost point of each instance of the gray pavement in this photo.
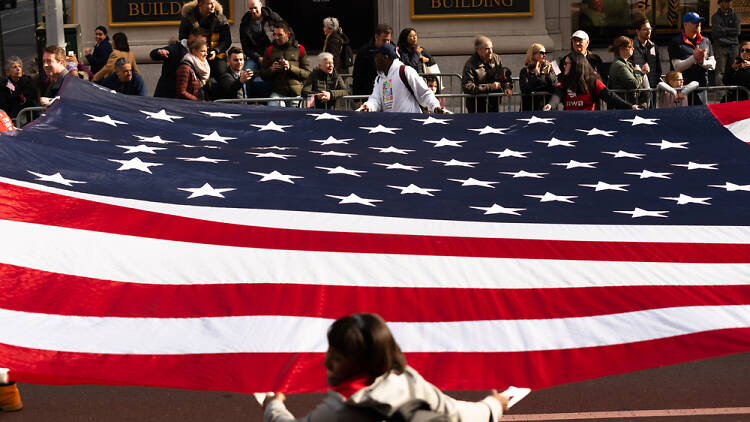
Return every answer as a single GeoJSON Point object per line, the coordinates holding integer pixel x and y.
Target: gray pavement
{"type": "Point", "coordinates": [710, 390]}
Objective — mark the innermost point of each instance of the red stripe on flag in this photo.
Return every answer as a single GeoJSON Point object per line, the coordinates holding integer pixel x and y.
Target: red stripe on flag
{"type": "Point", "coordinates": [304, 372]}
{"type": "Point", "coordinates": [33, 206]}
{"type": "Point", "coordinates": [34, 291]}
{"type": "Point", "coordinates": [731, 112]}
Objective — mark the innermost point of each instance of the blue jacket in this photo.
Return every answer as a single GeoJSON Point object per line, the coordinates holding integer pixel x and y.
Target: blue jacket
{"type": "Point", "coordinates": [135, 86]}
{"type": "Point", "coordinates": [98, 58]}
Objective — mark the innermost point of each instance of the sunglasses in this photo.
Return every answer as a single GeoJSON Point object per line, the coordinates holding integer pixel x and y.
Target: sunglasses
{"type": "Point", "coordinates": [745, 50]}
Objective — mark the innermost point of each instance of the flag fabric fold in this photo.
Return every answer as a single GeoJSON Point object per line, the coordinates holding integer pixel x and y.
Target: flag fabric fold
{"type": "Point", "coordinates": [209, 246]}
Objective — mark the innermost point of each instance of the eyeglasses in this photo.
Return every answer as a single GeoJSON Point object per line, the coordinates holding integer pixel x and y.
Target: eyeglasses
{"type": "Point", "coordinates": [745, 50]}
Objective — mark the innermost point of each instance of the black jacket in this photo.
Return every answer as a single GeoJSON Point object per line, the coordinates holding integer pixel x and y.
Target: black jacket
{"type": "Point", "coordinates": [220, 39]}
{"type": "Point", "coordinates": [98, 58]}
{"type": "Point", "coordinates": [739, 77]}
{"type": "Point", "coordinates": [165, 87]}
{"type": "Point", "coordinates": [23, 95]}
{"type": "Point", "coordinates": [530, 83]}
{"type": "Point", "coordinates": [647, 54]}
{"type": "Point", "coordinates": [229, 86]}
{"type": "Point", "coordinates": [335, 45]}
{"type": "Point", "coordinates": [254, 43]}
{"type": "Point", "coordinates": [364, 73]}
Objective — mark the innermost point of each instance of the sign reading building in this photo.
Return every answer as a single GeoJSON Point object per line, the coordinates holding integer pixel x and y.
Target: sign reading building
{"type": "Point", "coordinates": [439, 9]}
{"type": "Point", "coordinates": [152, 12]}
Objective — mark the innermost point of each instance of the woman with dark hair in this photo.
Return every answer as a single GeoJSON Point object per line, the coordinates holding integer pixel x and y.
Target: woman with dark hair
{"type": "Point", "coordinates": [738, 72]}
{"type": "Point", "coordinates": [536, 77]}
{"type": "Point", "coordinates": [193, 72]}
{"type": "Point", "coordinates": [121, 49]}
{"type": "Point", "coordinates": [99, 54]}
{"type": "Point", "coordinates": [624, 75]}
{"type": "Point", "coordinates": [370, 380]}
{"type": "Point", "coordinates": [412, 54]}
{"type": "Point", "coordinates": [581, 89]}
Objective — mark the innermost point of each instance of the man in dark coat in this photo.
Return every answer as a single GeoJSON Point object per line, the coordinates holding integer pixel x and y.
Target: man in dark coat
{"type": "Point", "coordinates": [692, 54]}
{"type": "Point", "coordinates": [98, 56]}
{"type": "Point", "coordinates": [484, 74]}
{"type": "Point", "coordinates": [171, 56]}
{"type": "Point", "coordinates": [645, 52]}
{"type": "Point", "coordinates": [124, 80]}
{"type": "Point", "coordinates": [364, 72]}
{"type": "Point", "coordinates": [235, 82]}
{"type": "Point", "coordinates": [209, 15]}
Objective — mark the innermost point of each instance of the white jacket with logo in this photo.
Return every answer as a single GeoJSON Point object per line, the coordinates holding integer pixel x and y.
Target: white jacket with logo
{"type": "Point", "coordinates": [384, 396]}
{"type": "Point", "coordinates": [390, 94]}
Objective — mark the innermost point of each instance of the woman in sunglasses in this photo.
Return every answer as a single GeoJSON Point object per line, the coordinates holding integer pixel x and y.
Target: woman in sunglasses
{"type": "Point", "coordinates": [738, 72]}
{"type": "Point", "coordinates": [536, 76]}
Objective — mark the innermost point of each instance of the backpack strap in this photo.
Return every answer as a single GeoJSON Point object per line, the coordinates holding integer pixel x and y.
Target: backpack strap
{"type": "Point", "coordinates": [402, 74]}
{"type": "Point", "coordinates": [270, 49]}
{"type": "Point", "coordinates": [301, 50]}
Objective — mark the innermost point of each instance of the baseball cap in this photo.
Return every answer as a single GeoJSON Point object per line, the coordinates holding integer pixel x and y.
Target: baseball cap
{"type": "Point", "coordinates": [692, 17]}
{"type": "Point", "coordinates": [388, 49]}
{"type": "Point", "coordinates": [580, 34]}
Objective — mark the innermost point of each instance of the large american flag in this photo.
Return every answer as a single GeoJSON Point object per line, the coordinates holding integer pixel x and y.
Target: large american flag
{"type": "Point", "coordinates": [195, 245]}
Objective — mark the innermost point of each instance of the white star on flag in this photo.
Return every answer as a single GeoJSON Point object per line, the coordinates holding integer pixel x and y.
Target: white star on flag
{"type": "Point", "coordinates": [414, 189]}
{"type": "Point", "coordinates": [355, 199]}
{"type": "Point", "coordinates": [623, 154]}
{"type": "Point", "coordinates": [595, 131]}
{"type": "Point", "coordinates": [687, 199]}
{"type": "Point", "coordinates": [104, 119]}
{"type": "Point", "coordinates": [509, 153]}
{"type": "Point", "coordinates": [332, 141]}
{"type": "Point", "coordinates": [647, 174]}
{"type": "Point", "coordinates": [154, 139]}
{"type": "Point", "coordinates": [575, 164]}
{"type": "Point", "coordinates": [664, 144]}
{"type": "Point", "coordinates": [533, 119]}
{"type": "Point", "coordinates": [551, 197]}
{"type": "Point", "coordinates": [398, 166]}
{"type": "Point", "coordinates": [277, 148]}
{"type": "Point", "coordinates": [326, 116]}
{"type": "Point", "coordinates": [271, 126]}
{"type": "Point", "coordinates": [638, 212]}
{"type": "Point", "coordinates": [86, 138]}
{"type": "Point", "coordinates": [392, 150]}
{"type": "Point", "coordinates": [214, 137]}
{"type": "Point", "coordinates": [55, 178]}
{"type": "Point", "coordinates": [697, 166]}
{"type": "Point", "coordinates": [732, 187]}
{"type": "Point", "coordinates": [335, 153]}
{"type": "Point", "coordinates": [200, 146]}
{"type": "Point", "coordinates": [454, 162]}
{"type": "Point", "coordinates": [380, 129]}
{"type": "Point", "coordinates": [474, 182]}
{"type": "Point", "coordinates": [445, 143]}
{"type": "Point", "coordinates": [221, 114]}
{"type": "Point", "coordinates": [600, 186]}
{"type": "Point", "coordinates": [638, 120]}
{"type": "Point", "coordinates": [556, 142]}
{"type": "Point", "coordinates": [139, 148]}
{"type": "Point", "coordinates": [342, 170]}
{"type": "Point", "coordinates": [201, 159]}
{"type": "Point", "coordinates": [431, 120]}
{"type": "Point", "coordinates": [135, 164]}
{"type": "Point", "coordinates": [270, 155]}
{"type": "Point", "coordinates": [275, 175]}
{"type": "Point", "coordinates": [160, 115]}
{"type": "Point", "coordinates": [206, 190]}
{"type": "Point", "coordinates": [489, 129]}
{"type": "Point", "coordinates": [499, 209]}
{"type": "Point", "coordinates": [524, 173]}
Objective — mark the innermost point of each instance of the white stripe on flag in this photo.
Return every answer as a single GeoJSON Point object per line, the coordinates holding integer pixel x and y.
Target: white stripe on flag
{"type": "Point", "coordinates": [155, 261]}
{"type": "Point", "coordinates": [283, 334]}
{"type": "Point", "coordinates": [302, 220]}
{"type": "Point", "coordinates": [740, 129]}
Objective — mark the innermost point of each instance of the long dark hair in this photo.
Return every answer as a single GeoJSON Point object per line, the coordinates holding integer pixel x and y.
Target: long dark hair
{"type": "Point", "coordinates": [403, 44]}
{"type": "Point", "coordinates": [366, 339]}
{"type": "Point", "coordinates": [581, 78]}
{"type": "Point", "coordinates": [120, 41]}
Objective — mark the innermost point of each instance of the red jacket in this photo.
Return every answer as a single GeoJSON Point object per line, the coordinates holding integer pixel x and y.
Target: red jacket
{"type": "Point", "coordinates": [188, 86]}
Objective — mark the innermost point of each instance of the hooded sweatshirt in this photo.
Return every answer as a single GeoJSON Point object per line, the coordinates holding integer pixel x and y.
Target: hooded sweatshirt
{"type": "Point", "coordinates": [384, 396]}
{"type": "Point", "coordinates": [390, 94]}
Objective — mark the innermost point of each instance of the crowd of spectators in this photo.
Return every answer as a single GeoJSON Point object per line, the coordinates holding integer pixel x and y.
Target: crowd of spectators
{"type": "Point", "coordinates": [272, 63]}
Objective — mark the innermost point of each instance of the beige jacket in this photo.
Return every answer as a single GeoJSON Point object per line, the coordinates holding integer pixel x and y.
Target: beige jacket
{"type": "Point", "coordinates": [109, 68]}
{"type": "Point", "coordinates": [385, 395]}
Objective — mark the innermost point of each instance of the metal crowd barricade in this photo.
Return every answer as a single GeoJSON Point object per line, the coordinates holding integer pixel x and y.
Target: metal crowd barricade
{"type": "Point", "coordinates": [451, 81]}
{"type": "Point", "coordinates": [26, 115]}
{"type": "Point", "coordinates": [726, 93]}
{"type": "Point", "coordinates": [295, 101]}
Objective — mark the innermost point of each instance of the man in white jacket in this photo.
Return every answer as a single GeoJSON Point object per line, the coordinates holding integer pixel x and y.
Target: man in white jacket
{"type": "Point", "coordinates": [389, 93]}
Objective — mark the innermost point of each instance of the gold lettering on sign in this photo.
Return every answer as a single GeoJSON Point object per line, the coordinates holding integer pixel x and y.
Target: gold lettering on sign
{"type": "Point", "coordinates": [508, 3]}
{"type": "Point", "coordinates": [436, 4]}
{"type": "Point", "coordinates": [452, 4]}
{"type": "Point", "coordinates": [463, 4]}
{"type": "Point", "coordinates": [174, 7]}
{"type": "Point", "coordinates": [134, 10]}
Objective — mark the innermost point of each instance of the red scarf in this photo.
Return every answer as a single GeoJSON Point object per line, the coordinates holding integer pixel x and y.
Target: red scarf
{"type": "Point", "coordinates": [352, 385]}
{"type": "Point", "coordinates": [698, 39]}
